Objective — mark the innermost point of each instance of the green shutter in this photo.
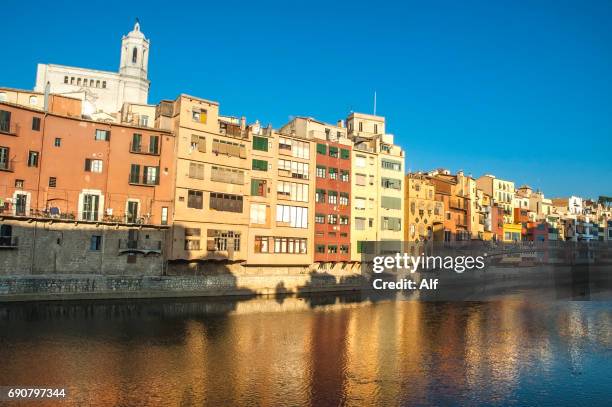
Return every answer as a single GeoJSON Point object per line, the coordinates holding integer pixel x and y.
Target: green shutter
{"type": "Point", "coordinates": [260, 143]}
{"type": "Point", "coordinates": [333, 151]}
{"type": "Point", "coordinates": [389, 202]}
{"type": "Point", "coordinates": [321, 149]}
{"type": "Point", "coordinates": [344, 153]}
{"type": "Point", "coordinates": [261, 165]}
{"type": "Point", "coordinates": [254, 187]}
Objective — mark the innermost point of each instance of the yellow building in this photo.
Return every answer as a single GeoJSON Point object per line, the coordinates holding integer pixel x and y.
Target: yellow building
{"type": "Point", "coordinates": [423, 215]}
{"type": "Point", "coordinates": [512, 232]}
{"type": "Point", "coordinates": [377, 186]}
{"type": "Point", "coordinates": [502, 193]}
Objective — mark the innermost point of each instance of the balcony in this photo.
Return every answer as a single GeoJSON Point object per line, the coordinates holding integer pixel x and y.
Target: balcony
{"type": "Point", "coordinates": [140, 246]}
{"type": "Point", "coordinates": [9, 242]}
{"type": "Point", "coordinates": [229, 129]}
{"type": "Point", "coordinates": [137, 179]}
{"type": "Point", "coordinates": [139, 149]}
{"type": "Point", "coordinates": [10, 129]}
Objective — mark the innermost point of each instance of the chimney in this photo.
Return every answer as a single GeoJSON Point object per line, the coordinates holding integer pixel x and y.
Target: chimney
{"type": "Point", "coordinates": [243, 123]}
{"type": "Point", "coordinates": [340, 123]}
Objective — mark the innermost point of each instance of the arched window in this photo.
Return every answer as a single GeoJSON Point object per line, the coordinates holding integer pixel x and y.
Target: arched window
{"type": "Point", "coordinates": [134, 55]}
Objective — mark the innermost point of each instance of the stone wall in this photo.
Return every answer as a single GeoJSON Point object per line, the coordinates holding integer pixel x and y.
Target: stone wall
{"type": "Point", "coordinates": [45, 247]}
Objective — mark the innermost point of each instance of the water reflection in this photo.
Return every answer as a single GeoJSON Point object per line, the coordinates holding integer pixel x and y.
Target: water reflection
{"type": "Point", "coordinates": [323, 350]}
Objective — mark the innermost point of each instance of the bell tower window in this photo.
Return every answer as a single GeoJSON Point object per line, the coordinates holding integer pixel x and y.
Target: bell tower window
{"type": "Point", "coordinates": [134, 55]}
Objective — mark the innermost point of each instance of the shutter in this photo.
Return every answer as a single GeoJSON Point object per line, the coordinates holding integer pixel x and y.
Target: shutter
{"type": "Point", "coordinates": [333, 151]}
{"type": "Point", "coordinates": [321, 149]}
{"type": "Point", "coordinates": [391, 202]}
{"type": "Point", "coordinates": [201, 144]}
{"type": "Point", "coordinates": [254, 187]}
{"type": "Point", "coordinates": [242, 153]}
{"type": "Point", "coordinates": [192, 170]}
{"type": "Point", "coordinates": [87, 164]}
{"type": "Point", "coordinates": [194, 138]}
{"type": "Point", "coordinates": [344, 153]}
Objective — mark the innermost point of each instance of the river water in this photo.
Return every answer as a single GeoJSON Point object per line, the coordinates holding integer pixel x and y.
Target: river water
{"type": "Point", "coordinates": [325, 350]}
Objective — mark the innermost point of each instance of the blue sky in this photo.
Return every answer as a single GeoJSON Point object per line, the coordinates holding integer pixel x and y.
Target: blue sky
{"type": "Point", "coordinates": [519, 89]}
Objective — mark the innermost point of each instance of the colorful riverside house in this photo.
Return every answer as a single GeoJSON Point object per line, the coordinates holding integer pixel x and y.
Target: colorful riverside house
{"type": "Point", "coordinates": [63, 166]}
{"type": "Point", "coordinates": [332, 209]}
{"type": "Point", "coordinates": [512, 232]}
{"type": "Point", "coordinates": [423, 215]}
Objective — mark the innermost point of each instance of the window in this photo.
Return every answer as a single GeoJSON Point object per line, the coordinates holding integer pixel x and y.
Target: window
{"type": "Point", "coordinates": [360, 180]}
{"type": "Point", "coordinates": [319, 218]}
{"type": "Point", "coordinates": [260, 165]}
{"type": "Point", "coordinates": [375, 128]}
{"type": "Point", "coordinates": [57, 142]}
{"type": "Point", "coordinates": [154, 144]}
{"type": "Point", "coordinates": [36, 123]}
{"type": "Point", "coordinates": [222, 240]}
{"type": "Point", "coordinates": [298, 149]}
{"type": "Point", "coordinates": [91, 206]}
{"type": "Point", "coordinates": [333, 197]}
{"type": "Point", "coordinates": [320, 196]}
{"type": "Point", "coordinates": [196, 170]}
{"type": "Point", "coordinates": [333, 152]}
{"type": "Point", "coordinates": [344, 249]}
{"type": "Point", "coordinates": [289, 245]}
{"type": "Point", "coordinates": [321, 149]}
{"type": "Point", "coordinates": [391, 165]}
{"type": "Point", "coordinates": [18, 183]}
{"type": "Point", "coordinates": [5, 121]}
{"type": "Point", "coordinates": [345, 154]}
{"type": "Point", "coordinates": [389, 223]}
{"type": "Point", "coordinates": [320, 171]}
{"type": "Point", "coordinates": [195, 199]}
{"type": "Point", "coordinates": [95, 244]}
{"type": "Point", "coordinates": [199, 115]}
{"type": "Point", "coordinates": [360, 223]}
{"type": "Point", "coordinates": [78, 81]}
{"type": "Point", "coordinates": [93, 165]}
{"type": "Point", "coordinates": [260, 143]}
{"type": "Point", "coordinates": [392, 183]}
{"type": "Point", "coordinates": [258, 213]}
{"type": "Point", "coordinates": [293, 216]}
{"type": "Point", "coordinates": [33, 159]}
{"type": "Point", "coordinates": [344, 220]}
{"type": "Point", "coordinates": [225, 202]}
{"type": "Point", "coordinates": [198, 143]}
{"type": "Point", "coordinates": [229, 148]}
{"type": "Point", "coordinates": [292, 191]}
{"type": "Point", "coordinates": [333, 173]}
{"type": "Point", "coordinates": [143, 121]}
{"type": "Point", "coordinates": [72, 80]}
{"type": "Point", "coordinates": [259, 187]}
{"type": "Point", "coordinates": [103, 135]}
{"type": "Point", "coordinates": [360, 126]}
{"type": "Point", "coordinates": [360, 161]}
{"type": "Point", "coordinates": [97, 84]}
{"type": "Point", "coordinates": [344, 175]}
{"type": "Point", "coordinates": [332, 219]}
{"type": "Point", "coordinates": [52, 182]}
{"type": "Point", "coordinates": [294, 169]}
{"type": "Point", "coordinates": [227, 175]}
{"type": "Point", "coordinates": [65, 79]}
{"type": "Point", "coordinates": [332, 249]}
{"type": "Point", "coordinates": [164, 215]}
{"type": "Point", "coordinates": [360, 203]}
{"type": "Point", "coordinates": [103, 84]}
{"type": "Point", "coordinates": [344, 198]}
{"type": "Point", "coordinates": [389, 202]}
{"type": "Point", "coordinates": [320, 248]}
{"type": "Point", "coordinates": [192, 239]}
{"type": "Point", "coordinates": [134, 55]}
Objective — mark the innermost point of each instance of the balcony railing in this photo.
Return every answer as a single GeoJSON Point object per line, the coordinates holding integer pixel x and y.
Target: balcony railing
{"type": "Point", "coordinates": [140, 246]}
{"type": "Point", "coordinates": [9, 242]}
{"type": "Point", "coordinates": [8, 128]}
{"type": "Point", "coordinates": [230, 129]}
{"type": "Point", "coordinates": [137, 179]}
{"type": "Point", "coordinates": [140, 149]}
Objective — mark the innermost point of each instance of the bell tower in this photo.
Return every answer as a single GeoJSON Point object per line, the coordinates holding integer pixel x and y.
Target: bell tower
{"type": "Point", "coordinates": [134, 54]}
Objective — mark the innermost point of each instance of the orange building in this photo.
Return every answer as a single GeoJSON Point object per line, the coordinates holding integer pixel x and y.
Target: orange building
{"type": "Point", "coordinates": [62, 166]}
{"type": "Point", "coordinates": [456, 221]}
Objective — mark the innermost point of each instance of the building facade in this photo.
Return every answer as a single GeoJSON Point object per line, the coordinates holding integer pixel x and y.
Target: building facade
{"type": "Point", "coordinates": [423, 215]}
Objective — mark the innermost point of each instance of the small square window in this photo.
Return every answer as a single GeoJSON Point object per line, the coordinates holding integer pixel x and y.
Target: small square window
{"type": "Point", "coordinates": [57, 142]}
{"type": "Point", "coordinates": [18, 183]}
{"type": "Point", "coordinates": [95, 243]}
{"type": "Point", "coordinates": [52, 182]}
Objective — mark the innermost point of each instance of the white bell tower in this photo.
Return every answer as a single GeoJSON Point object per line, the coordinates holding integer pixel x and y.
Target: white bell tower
{"type": "Point", "coordinates": [134, 54]}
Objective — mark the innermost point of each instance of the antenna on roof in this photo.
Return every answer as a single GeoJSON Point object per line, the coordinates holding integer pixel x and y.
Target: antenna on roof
{"type": "Point", "coordinates": [374, 103]}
